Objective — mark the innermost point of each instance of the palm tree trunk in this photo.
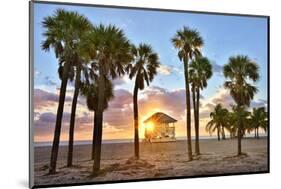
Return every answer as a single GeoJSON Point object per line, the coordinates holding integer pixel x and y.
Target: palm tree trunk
{"type": "Point", "coordinates": [239, 132]}
{"type": "Point", "coordinates": [194, 112]}
{"type": "Point", "coordinates": [255, 132]}
{"type": "Point", "coordinates": [136, 121]}
{"type": "Point", "coordinates": [188, 120]}
{"type": "Point", "coordinates": [258, 132]}
{"type": "Point", "coordinates": [56, 141]}
{"type": "Point", "coordinates": [223, 133]}
{"type": "Point", "coordinates": [99, 120]}
{"type": "Point", "coordinates": [197, 147]}
{"type": "Point", "coordinates": [94, 136]}
{"type": "Point", "coordinates": [218, 133]}
{"type": "Point", "coordinates": [72, 117]}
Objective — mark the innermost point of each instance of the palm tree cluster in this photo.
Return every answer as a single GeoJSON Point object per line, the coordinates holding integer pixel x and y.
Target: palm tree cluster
{"type": "Point", "coordinates": [197, 70]}
{"type": "Point", "coordinates": [93, 56]}
{"type": "Point", "coordinates": [222, 119]}
{"type": "Point", "coordinates": [241, 73]}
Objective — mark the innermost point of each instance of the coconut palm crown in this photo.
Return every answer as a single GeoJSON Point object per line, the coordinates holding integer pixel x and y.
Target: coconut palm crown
{"type": "Point", "coordinates": [144, 65]}
{"type": "Point", "coordinates": [240, 70]}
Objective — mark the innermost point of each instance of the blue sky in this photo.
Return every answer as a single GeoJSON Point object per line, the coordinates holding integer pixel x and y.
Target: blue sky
{"type": "Point", "coordinates": [224, 36]}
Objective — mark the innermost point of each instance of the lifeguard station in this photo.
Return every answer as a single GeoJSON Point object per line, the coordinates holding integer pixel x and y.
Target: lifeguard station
{"type": "Point", "coordinates": [160, 127]}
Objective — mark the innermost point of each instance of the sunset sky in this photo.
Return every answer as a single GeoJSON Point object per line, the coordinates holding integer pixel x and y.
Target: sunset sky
{"type": "Point", "coordinates": [224, 36]}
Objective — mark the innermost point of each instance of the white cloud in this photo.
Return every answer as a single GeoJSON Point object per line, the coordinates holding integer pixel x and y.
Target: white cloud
{"type": "Point", "coordinates": [164, 70]}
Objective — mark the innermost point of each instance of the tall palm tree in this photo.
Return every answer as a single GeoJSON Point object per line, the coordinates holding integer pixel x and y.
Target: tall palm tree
{"type": "Point", "coordinates": [258, 120]}
{"type": "Point", "coordinates": [200, 71]}
{"type": "Point", "coordinates": [218, 120]}
{"type": "Point", "coordinates": [82, 73]}
{"type": "Point", "coordinates": [63, 32]}
{"type": "Point", "coordinates": [189, 43]}
{"type": "Point", "coordinates": [143, 67]}
{"type": "Point", "coordinates": [111, 52]}
{"type": "Point", "coordinates": [240, 70]}
{"type": "Point", "coordinates": [90, 91]}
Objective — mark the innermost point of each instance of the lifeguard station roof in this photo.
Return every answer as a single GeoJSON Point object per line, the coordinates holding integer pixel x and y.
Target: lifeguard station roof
{"type": "Point", "coordinates": [160, 117]}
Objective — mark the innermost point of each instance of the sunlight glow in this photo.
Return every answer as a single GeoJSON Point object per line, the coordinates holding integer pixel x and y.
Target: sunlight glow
{"type": "Point", "coordinates": [149, 126]}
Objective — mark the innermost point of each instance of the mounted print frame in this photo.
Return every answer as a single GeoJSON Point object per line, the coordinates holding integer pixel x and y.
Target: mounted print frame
{"type": "Point", "coordinates": [123, 94]}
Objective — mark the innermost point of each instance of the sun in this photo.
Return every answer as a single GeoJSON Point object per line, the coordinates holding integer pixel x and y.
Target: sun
{"type": "Point", "coordinates": [149, 126]}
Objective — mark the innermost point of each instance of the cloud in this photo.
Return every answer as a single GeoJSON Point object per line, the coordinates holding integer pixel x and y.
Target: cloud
{"type": "Point", "coordinates": [169, 69]}
{"type": "Point", "coordinates": [160, 99]}
{"type": "Point", "coordinates": [118, 118]}
{"type": "Point", "coordinates": [120, 110]}
{"type": "Point", "coordinates": [44, 125]}
{"type": "Point", "coordinates": [164, 69]}
{"type": "Point", "coordinates": [49, 81]}
{"type": "Point", "coordinates": [223, 97]}
{"type": "Point", "coordinates": [121, 80]}
{"type": "Point", "coordinates": [37, 73]}
{"type": "Point", "coordinates": [43, 98]}
{"type": "Point", "coordinates": [259, 103]}
{"type": "Point", "coordinates": [217, 69]}
{"type": "Point", "coordinates": [47, 117]}
{"type": "Point", "coordinates": [118, 81]}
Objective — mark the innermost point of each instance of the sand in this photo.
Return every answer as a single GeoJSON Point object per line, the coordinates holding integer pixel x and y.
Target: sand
{"type": "Point", "coordinates": [158, 160]}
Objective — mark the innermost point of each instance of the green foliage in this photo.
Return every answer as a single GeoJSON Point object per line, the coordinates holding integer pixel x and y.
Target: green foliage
{"type": "Point", "coordinates": [144, 65]}
{"type": "Point", "coordinates": [219, 119]}
{"type": "Point", "coordinates": [189, 43]}
{"type": "Point", "coordinates": [90, 91]}
{"type": "Point", "coordinates": [259, 119]}
{"type": "Point", "coordinates": [110, 50]}
{"type": "Point", "coordinates": [200, 70]}
{"type": "Point", "coordinates": [240, 70]}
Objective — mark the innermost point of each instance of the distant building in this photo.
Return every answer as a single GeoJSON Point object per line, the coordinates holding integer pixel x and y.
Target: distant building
{"type": "Point", "coordinates": [160, 128]}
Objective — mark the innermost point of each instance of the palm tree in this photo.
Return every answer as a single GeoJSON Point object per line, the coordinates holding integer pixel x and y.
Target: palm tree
{"type": "Point", "coordinates": [258, 120]}
{"type": "Point", "coordinates": [82, 60]}
{"type": "Point", "coordinates": [240, 70]}
{"type": "Point", "coordinates": [63, 32]}
{"type": "Point", "coordinates": [244, 116]}
{"type": "Point", "coordinates": [200, 71]}
{"type": "Point", "coordinates": [80, 68]}
{"type": "Point", "coordinates": [143, 67]}
{"type": "Point", "coordinates": [218, 120]}
{"type": "Point", "coordinates": [90, 91]}
{"type": "Point", "coordinates": [232, 121]}
{"type": "Point", "coordinates": [264, 121]}
{"type": "Point", "coordinates": [230, 126]}
{"type": "Point", "coordinates": [110, 50]}
{"type": "Point", "coordinates": [189, 44]}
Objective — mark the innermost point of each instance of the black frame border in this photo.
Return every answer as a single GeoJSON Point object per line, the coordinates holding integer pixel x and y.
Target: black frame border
{"type": "Point", "coordinates": [31, 86]}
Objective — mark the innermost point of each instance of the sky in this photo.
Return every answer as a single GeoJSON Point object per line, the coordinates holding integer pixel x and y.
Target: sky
{"type": "Point", "coordinates": [223, 36]}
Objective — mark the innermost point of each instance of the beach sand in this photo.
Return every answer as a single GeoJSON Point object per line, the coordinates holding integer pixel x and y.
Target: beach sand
{"type": "Point", "coordinates": [157, 160]}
